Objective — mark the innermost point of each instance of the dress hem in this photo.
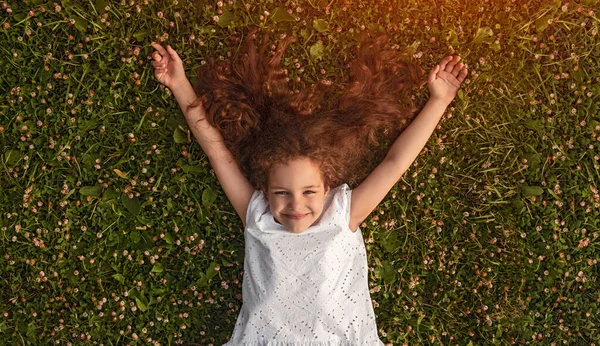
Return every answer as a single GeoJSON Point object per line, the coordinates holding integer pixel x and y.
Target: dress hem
{"type": "Point", "coordinates": [304, 343]}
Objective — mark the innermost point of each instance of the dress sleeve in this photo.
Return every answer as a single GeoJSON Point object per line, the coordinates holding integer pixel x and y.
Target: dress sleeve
{"type": "Point", "coordinates": [344, 197]}
{"type": "Point", "coordinates": [256, 201]}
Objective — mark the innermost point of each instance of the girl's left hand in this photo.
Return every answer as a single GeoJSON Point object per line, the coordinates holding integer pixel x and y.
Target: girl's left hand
{"type": "Point", "coordinates": [168, 67]}
{"type": "Point", "coordinates": [445, 78]}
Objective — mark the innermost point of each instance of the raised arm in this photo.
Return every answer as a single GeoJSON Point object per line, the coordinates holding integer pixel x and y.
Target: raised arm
{"type": "Point", "coordinates": [443, 82]}
{"type": "Point", "coordinates": [169, 71]}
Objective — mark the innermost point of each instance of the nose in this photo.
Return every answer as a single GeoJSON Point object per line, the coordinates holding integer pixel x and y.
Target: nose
{"type": "Point", "coordinates": [294, 203]}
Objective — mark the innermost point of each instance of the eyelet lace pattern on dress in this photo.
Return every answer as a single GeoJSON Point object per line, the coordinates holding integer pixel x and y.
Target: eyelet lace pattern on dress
{"type": "Point", "coordinates": [306, 289]}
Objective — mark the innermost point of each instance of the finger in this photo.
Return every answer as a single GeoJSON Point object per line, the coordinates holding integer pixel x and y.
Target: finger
{"type": "Point", "coordinates": [159, 48]}
{"type": "Point", "coordinates": [462, 75]}
{"type": "Point", "coordinates": [156, 56]}
{"type": "Point", "coordinates": [159, 65]}
{"type": "Point", "coordinates": [457, 69]}
{"type": "Point", "coordinates": [173, 53]}
{"type": "Point", "coordinates": [452, 63]}
{"type": "Point", "coordinates": [433, 73]}
{"type": "Point", "coordinates": [444, 62]}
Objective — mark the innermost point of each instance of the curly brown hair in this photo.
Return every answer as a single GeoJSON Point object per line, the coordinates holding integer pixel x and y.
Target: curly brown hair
{"type": "Point", "coordinates": [264, 123]}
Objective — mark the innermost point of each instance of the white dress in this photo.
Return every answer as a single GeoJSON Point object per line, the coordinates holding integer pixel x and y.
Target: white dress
{"type": "Point", "coordinates": [306, 289]}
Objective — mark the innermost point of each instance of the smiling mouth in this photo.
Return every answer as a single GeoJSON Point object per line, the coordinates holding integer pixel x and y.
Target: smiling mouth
{"type": "Point", "coordinates": [295, 216]}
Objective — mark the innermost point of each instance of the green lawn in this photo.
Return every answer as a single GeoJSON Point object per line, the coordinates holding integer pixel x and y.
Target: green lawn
{"type": "Point", "coordinates": [114, 230]}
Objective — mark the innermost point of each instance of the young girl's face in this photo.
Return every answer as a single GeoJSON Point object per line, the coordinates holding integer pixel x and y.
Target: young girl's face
{"type": "Point", "coordinates": [296, 194]}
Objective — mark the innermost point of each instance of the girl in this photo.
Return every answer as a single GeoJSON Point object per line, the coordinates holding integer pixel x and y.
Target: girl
{"type": "Point", "coordinates": [285, 160]}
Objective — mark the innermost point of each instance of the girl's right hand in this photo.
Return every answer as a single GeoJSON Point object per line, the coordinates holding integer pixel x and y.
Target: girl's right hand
{"type": "Point", "coordinates": [168, 67]}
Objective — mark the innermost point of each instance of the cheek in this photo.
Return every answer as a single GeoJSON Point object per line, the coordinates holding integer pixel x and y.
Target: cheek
{"type": "Point", "coordinates": [317, 207]}
{"type": "Point", "coordinates": [275, 205]}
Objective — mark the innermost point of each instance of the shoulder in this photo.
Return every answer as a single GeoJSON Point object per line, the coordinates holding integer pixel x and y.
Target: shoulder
{"type": "Point", "coordinates": [257, 196]}
{"type": "Point", "coordinates": [341, 188]}
{"type": "Point", "coordinates": [341, 194]}
{"type": "Point", "coordinates": [340, 199]}
{"type": "Point", "coordinates": [256, 207]}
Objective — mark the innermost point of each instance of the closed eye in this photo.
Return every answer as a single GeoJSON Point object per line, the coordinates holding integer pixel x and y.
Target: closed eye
{"type": "Point", "coordinates": [309, 191]}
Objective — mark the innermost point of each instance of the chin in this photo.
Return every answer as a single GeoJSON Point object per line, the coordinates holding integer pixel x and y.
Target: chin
{"type": "Point", "coordinates": [297, 229]}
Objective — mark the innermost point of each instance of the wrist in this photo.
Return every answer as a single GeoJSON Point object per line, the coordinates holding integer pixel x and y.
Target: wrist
{"type": "Point", "coordinates": [185, 95]}
{"type": "Point", "coordinates": [179, 86]}
{"type": "Point", "coordinates": [440, 102]}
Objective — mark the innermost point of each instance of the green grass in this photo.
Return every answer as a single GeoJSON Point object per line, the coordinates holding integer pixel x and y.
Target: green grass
{"type": "Point", "coordinates": [491, 237]}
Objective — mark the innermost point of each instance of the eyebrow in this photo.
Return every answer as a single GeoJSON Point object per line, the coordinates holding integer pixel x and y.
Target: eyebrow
{"type": "Point", "coordinates": [306, 187]}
